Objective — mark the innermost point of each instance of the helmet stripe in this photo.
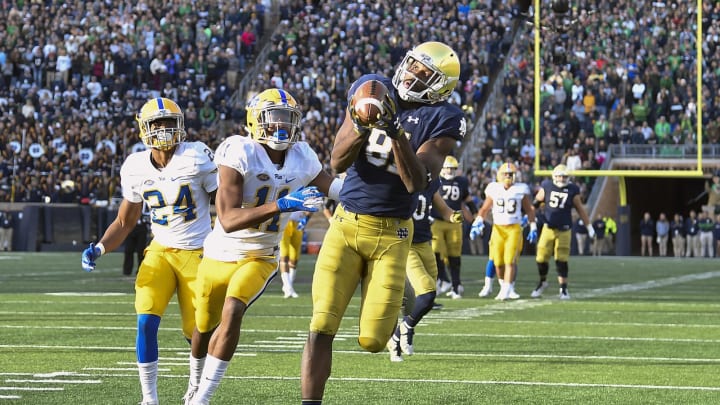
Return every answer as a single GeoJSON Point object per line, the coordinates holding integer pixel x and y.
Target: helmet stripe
{"type": "Point", "coordinates": [283, 96]}
{"type": "Point", "coordinates": [160, 103]}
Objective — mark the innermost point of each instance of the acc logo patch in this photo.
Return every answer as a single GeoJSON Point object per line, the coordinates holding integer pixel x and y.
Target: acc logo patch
{"type": "Point", "coordinates": [149, 182]}
{"type": "Point", "coordinates": [263, 177]}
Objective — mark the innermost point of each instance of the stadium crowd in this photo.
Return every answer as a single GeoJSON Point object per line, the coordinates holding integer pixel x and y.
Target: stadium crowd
{"type": "Point", "coordinates": [75, 73]}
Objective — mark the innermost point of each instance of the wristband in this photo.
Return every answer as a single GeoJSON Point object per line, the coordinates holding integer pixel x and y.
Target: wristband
{"type": "Point", "coordinates": [101, 248]}
{"type": "Point", "coordinates": [589, 228]}
{"type": "Point", "coordinates": [533, 226]}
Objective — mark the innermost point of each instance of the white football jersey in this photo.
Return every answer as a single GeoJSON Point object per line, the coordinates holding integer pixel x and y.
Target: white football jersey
{"type": "Point", "coordinates": [263, 183]}
{"type": "Point", "coordinates": [507, 204]}
{"type": "Point", "coordinates": [177, 195]}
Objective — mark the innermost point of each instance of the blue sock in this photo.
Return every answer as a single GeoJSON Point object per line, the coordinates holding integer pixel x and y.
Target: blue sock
{"type": "Point", "coordinates": [490, 269]}
{"type": "Point", "coordinates": [146, 344]}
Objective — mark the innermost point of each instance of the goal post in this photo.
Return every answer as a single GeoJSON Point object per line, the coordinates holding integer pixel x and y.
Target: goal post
{"type": "Point", "coordinates": [623, 240]}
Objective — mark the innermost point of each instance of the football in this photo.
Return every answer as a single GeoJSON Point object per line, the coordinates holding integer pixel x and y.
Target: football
{"type": "Point", "coordinates": [367, 102]}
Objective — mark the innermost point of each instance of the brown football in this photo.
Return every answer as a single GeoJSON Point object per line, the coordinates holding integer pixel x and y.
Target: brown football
{"type": "Point", "coordinates": [368, 101]}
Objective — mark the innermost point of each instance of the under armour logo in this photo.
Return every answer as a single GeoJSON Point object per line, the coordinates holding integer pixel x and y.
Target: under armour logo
{"type": "Point", "coordinates": [403, 233]}
{"type": "Point", "coordinates": [413, 120]}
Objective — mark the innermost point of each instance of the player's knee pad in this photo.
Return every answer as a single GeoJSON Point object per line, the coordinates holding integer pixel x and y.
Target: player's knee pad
{"type": "Point", "coordinates": [371, 344]}
{"type": "Point", "coordinates": [490, 269]}
{"type": "Point", "coordinates": [543, 269]}
{"type": "Point", "coordinates": [562, 269]}
{"type": "Point", "coordinates": [147, 342]}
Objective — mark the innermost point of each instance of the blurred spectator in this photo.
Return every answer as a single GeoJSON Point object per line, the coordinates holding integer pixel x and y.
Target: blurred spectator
{"type": "Point", "coordinates": [662, 230]}
{"type": "Point", "coordinates": [6, 231]}
{"type": "Point", "coordinates": [677, 230]}
{"type": "Point", "coordinates": [692, 236]}
{"type": "Point", "coordinates": [706, 225]}
{"type": "Point", "coordinates": [647, 230]}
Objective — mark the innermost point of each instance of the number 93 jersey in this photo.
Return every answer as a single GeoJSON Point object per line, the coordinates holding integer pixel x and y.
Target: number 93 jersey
{"type": "Point", "coordinates": [263, 182]}
{"type": "Point", "coordinates": [507, 203]}
{"type": "Point", "coordinates": [177, 195]}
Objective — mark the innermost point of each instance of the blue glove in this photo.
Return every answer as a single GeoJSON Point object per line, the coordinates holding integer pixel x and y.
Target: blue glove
{"type": "Point", "coordinates": [89, 256]}
{"type": "Point", "coordinates": [532, 236]}
{"type": "Point", "coordinates": [303, 199]}
{"type": "Point", "coordinates": [524, 221]}
{"type": "Point", "coordinates": [477, 227]}
{"type": "Point", "coordinates": [302, 223]}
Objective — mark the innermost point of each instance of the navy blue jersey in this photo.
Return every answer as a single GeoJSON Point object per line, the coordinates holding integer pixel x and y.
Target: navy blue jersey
{"type": "Point", "coordinates": [559, 204]}
{"type": "Point", "coordinates": [454, 192]}
{"type": "Point", "coordinates": [421, 215]}
{"type": "Point", "coordinates": [372, 185]}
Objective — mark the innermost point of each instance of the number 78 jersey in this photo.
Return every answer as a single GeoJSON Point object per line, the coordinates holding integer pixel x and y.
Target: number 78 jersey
{"type": "Point", "coordinates": [177, 195]}
{"type": "Point", "coordinates": [507, 203]}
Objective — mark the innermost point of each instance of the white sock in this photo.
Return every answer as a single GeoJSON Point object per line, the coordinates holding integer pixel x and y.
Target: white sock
{"type": "Point", "coordinates": [196, 369]}
{"type": "Point", "coordinates": [488, 281]}
{"type": "Point", "coordinates": [148, 381]}
{"type": "Point", "coordinates": [501, 282]}
{"type": "Point", "coordinates": [285, 277]}
{"type": "Point", "coordinates": [213, 372]}
{"type": "Point", "coordinates": [292, 272]}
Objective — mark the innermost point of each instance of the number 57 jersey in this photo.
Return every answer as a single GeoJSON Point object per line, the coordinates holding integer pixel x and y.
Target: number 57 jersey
{"type": "Point", "coordinates": [177, 195]}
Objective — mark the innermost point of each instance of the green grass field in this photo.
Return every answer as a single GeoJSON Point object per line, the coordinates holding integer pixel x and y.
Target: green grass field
{"type": "Point", "coordinates": [637, 331]}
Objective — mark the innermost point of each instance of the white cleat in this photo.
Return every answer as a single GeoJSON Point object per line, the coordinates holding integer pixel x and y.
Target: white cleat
{"type": "Point", "coordinates": [454, 295]}
{"type": "Point", "coordinates": [486, 291]}
{"type": "Point", "coordinates": [503, 295]}
{"type": "Point", "coordinates": [406, 339]}
{"type": "Point", "coordinates": [537, 292]}
{"type": "Point", "coordinates": [393, 347]}
{"type": "Point", "coordinates": [187, 398]}
{"type": "Point", "coordinates": [513, 295]}
{"type": "Point", "coordinates": [443, 287]}
{"type": "Point", "coordinates": [564, 295]}
{"type": "Point", "coordinates": [289, 292]}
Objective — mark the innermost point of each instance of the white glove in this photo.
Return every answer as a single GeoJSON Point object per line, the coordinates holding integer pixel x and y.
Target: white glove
{"type": "Point", "coordinates": [477, 228]}
{"type": "Point", "coordinates": [591, 231]}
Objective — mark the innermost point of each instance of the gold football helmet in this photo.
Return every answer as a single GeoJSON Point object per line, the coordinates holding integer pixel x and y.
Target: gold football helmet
{"type": "Point", "coordinates": [273, 118]}
{"type": "Point", "coordinates": [506, 174]}
{"type": "Point", "coordinates": [427, 74]}
{"type": "Point", "coordinates": [161, 123]}
{"type": "Point", "coordinates": [449, 168]}
{"type": "Point", "coordinates": [561, 176]}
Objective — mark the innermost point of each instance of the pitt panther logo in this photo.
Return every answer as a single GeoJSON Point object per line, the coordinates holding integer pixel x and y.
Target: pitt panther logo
{"type": "Point", "coordinates": [403, 233]}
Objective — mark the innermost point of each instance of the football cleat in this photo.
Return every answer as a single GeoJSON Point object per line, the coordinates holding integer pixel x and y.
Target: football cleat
{"type": "Point", "coordinates": [289, 292]}
{"type": "Point", "coordinates": [513, 295]}
{"type": "Point", "coordinates": [393, 347]}
{"type": "Point", "coordinates": [436, 305]}
{"type": "Point", "coordinates": [504, 293]}
{"type": "Point", "coordinates": [564, 295]}
{"type": "Point", "coordinates": [443, 287]}
{"type": "Point", "coordinates": [486, 291]}
{"type": "Point", "coordinates": [406, 339]}
{"type": "Point", "coordinates": [537, 292]}
{"type": "Point", "coordinates": [191, 391]}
